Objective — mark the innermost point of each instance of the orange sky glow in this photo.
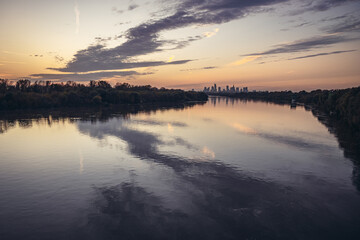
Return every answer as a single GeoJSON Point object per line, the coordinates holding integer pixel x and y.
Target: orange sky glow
{"type": "Point", "coordinates": [264, 45]}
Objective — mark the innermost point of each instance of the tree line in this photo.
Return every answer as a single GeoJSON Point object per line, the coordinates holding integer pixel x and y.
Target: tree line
{"type": "Point", "coordinates": [25, 94]}
{"type": "Point", "coordinates": [342, 104]}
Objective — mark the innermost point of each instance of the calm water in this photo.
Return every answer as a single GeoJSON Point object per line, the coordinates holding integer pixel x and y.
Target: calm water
{"type": "Point", "coordinates": [221, 170]}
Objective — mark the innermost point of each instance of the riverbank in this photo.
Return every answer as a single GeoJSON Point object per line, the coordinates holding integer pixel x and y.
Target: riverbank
{"type": "Point", "coordinates": [27, 95]}
{"type": "Point", "coordinates": [340, 105]}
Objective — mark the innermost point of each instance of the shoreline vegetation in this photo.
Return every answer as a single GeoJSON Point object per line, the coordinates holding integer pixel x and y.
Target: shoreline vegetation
{"type": "Point", "coordinates": [338, 110]}
{"type": "Point", "coordinates": [341, 104]}
{"type": "Point", "coordinates": [44, 94]}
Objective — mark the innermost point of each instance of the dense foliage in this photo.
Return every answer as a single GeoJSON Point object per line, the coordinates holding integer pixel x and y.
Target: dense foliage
{"type": "Point", "coordinates": [25, 95]}
{"type": "Point", "coordinates": [341, 104]}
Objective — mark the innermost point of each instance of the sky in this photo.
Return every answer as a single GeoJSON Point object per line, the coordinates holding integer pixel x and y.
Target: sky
{"type": "Point", "coordinates": [187, 44]}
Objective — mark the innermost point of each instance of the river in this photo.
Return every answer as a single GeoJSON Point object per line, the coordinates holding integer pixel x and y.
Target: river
{"type": "Point", "coordinates": [224, 169]}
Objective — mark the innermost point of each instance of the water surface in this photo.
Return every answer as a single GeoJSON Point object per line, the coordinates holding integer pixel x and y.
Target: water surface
{"type": "Point", "coordinates": [227, 169]}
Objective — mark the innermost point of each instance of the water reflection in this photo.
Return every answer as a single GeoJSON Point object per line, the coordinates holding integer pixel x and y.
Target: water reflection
{"type": "Point", "coordinates": [242, 170]}
{"type": "Point", "coordinates": [225, 203]}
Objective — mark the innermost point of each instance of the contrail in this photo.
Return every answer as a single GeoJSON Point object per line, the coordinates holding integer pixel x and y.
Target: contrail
{"type": "Point", "coordinates": [77, 17]}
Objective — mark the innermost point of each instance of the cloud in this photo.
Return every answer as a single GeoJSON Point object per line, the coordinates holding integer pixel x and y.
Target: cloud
{"type": "Point", "coordinates": [318, 6]}
{"type": "Point", "coordinates": [114, 9]}
{"type": "Point", "coordinates": [85, 76]}
{"type": "Point", "coordinates": [101, 40]}
{"type": "Point", "coordinates": [321, 54]}
{"type": "Point", "coordinates": [58, 58]}
{"type": "Point", "coordinates": [77, 18]}
{"type": "Point", "coordinates": [245, 60]}
{"type": "Point", "coordinates": [350, 24]}
{"type": "Point", "coordinates": [305, 45]}
{"type": "Point", "coordinates": [132, 6]}
{"type": "Point", "coordinates": [302, 24]}
{"type": "Point", "coordinates": [210, 34]}
{"type": "Point", "coordinates": [145, 39]}
{"type": "Point", "coordinates": [195, 69]}
{"type": "Point", "coordinates": [333, 18]}
{"type": "Point", "coordinates": [111, 65]}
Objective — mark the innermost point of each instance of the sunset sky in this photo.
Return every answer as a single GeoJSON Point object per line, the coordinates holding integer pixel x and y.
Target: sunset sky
{"type": "Point", "coordinates": [262, 44]}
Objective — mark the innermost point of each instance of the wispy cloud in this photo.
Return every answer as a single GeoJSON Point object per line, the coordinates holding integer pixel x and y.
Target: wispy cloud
{"type": "Point", "coordinates": [318, 6]}
{"type": "Point", "coordinates": [111, 65]}
{"type": "Point", "coordinates": [58, 58]}
{"type": "Point", "coordinates": [349, 24]}
{"type": "Point", "coordinates": [86, 76]}
{"type": "Point", "coordinates": [305, 45]}
{"type": "Point", "coordinates": [245, 60]}
{"type": "Point", "coordinates": [36, 55]}
{"type": "Point", "coordinates": [116, 10]}
{"type": "Point", "coordinates": [212, 33]}
{"type": "Point", "coordinates": [77, 17]}
{"type": "Point", "coordinates": [12, 62]}
{"type": "Point", "coordinates": [195, 69]}
{"type": "Point", "coordinates": [321, 54]}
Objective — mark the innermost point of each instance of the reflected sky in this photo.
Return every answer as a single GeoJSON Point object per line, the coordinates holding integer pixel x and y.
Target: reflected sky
{"type": "Point", "coordinates": [227, 169]}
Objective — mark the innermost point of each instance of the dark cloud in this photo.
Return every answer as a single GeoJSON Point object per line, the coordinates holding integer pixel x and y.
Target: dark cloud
{"type": "Point", "coordinates": [319, 6]}
{"type": "Point", "coordinates": [321, 54]}
{"type": "Point", "coordinates": [144, 39]}
{"type": "Point", "coordinates": [110, 65]}
{"type": "Point", "coordinates": [86, 76]}
{"type": "Point", "coordinates": [333, 18]}
{"type": "Point", "coordinates": [36, 55]}
{"type": "Point", "coordinates": [101, 40]}
{"type": "Point", "coordinates": [305, 45]}
{"type": "Point", "coordinates": [302, 24]}
{"type": "Point", "coordinates": [350, 24]}
{"type": "Point", "coordinates": [179, 44]}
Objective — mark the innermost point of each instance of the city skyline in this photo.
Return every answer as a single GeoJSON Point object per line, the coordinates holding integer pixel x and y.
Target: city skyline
{"type": "Point", "coordinates": [227, 89]}
{"type": "Point", "coordinates": [265, 45]}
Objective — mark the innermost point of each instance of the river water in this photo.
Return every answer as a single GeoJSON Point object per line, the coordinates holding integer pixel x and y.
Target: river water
{"type": "Point", "coordinates": [225, 169]}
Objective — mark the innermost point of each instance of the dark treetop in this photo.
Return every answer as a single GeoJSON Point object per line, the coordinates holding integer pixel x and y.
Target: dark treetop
{"type": "Point", "coordinates": [27, 95]}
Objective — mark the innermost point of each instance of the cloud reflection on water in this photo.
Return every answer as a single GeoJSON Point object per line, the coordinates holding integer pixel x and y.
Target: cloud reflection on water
{"type": "Point", "coordinates": [225, 203]}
